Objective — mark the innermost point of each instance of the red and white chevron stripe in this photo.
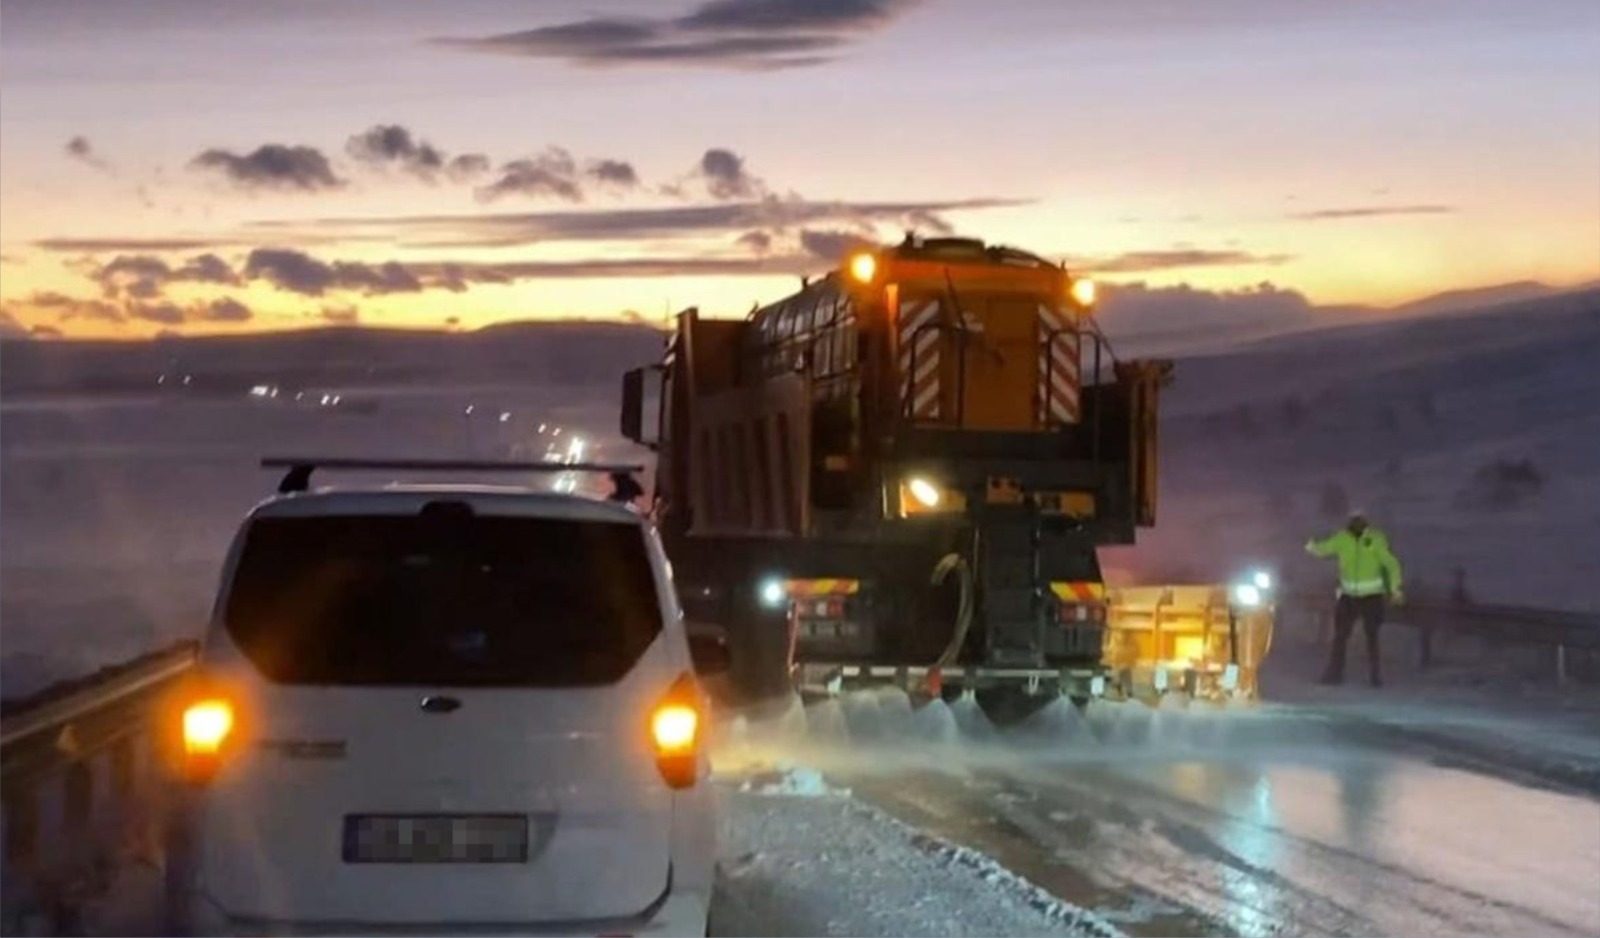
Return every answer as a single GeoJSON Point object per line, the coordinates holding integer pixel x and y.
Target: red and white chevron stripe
{"type": "Point", "coordinates": [921, 350]}
{"type": "Point", "coordinates": [1058, 368]}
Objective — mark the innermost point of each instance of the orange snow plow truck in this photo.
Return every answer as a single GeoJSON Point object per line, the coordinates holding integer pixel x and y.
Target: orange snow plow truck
{"type": "Point", "coordinates": [902, 473]}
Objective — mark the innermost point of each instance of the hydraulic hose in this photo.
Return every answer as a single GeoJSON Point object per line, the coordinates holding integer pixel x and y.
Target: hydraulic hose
{"type": "Point", "coordinates": [941, 571]}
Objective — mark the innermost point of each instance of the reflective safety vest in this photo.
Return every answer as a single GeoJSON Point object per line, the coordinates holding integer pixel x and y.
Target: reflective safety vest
{"type": "Point", "coordinates": [1366, 565]}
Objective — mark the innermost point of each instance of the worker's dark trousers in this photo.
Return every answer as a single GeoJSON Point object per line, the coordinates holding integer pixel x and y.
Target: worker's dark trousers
{"type": "Point", "coordinates": [1369, 609]}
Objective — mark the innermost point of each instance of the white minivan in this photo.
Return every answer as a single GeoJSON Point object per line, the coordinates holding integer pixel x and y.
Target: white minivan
{"type": "Point", "coordinates": [445, 709]}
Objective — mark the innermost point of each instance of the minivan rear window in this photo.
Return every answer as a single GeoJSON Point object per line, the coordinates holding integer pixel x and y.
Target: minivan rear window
{"type": "Point", "coordinates": [454, 600]}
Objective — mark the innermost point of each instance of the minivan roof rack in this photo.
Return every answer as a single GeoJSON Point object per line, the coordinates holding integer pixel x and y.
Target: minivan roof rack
{"type": "Point", "coordinates": [298, 478]}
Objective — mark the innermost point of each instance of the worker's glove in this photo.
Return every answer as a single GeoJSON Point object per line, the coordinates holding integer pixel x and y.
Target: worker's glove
{"type": "Point", "coordinates": [1311, 545]}
{"type": "Point", "coordinates": [1397, 598]}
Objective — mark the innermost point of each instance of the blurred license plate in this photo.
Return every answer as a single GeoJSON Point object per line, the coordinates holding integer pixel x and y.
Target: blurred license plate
{"type": "Point", "coordinates": [432, 838]}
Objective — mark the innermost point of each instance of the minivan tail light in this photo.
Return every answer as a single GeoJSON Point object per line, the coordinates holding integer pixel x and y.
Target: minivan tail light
{"type": "Point", "coordinates": [675, 732]}
{"type": "Point", "coordinates": [207, 725]}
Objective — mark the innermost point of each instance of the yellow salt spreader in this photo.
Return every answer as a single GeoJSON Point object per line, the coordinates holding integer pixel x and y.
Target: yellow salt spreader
{"type": "Point", "coordinates": [1207, 641]}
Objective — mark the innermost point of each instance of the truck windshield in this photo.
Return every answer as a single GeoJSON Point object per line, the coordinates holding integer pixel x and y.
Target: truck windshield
{"type": "Point", "coordinates": [479, 601]}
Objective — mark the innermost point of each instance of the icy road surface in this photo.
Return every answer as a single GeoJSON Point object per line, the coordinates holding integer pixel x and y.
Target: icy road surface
{"type": "Point", "coordinates": [1273, 822]}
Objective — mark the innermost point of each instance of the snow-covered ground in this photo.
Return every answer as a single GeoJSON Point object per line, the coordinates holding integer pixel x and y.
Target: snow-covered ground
{"type": "Point", "coordinates": [116, 513]}
{"type": "Point", "coordinates": [1469, 439]}
{"type": "Point", "coordinates": [801, 858]}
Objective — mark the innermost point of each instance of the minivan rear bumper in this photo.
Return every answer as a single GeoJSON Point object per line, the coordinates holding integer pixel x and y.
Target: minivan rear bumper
{"type": "Point", "coordinates": [681, 912]}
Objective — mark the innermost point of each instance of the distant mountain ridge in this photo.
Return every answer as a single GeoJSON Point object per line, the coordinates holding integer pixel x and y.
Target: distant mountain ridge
{"type": "Point", "coordinates": [1457, 301]}
{"type": "Point", "coordinates": [569, 352]}
{"type": "Point", "coordinates": [1168, 322]}
{"type": "Point", "coordinates": [1177, 322]}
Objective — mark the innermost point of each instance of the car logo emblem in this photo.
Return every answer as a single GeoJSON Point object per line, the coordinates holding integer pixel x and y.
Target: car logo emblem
{"type": "Point", "coordinates": [433, 704]}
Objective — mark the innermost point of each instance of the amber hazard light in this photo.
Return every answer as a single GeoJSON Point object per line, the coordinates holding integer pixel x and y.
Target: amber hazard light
{"type": "Point", "coordinates": [675, 732]}
{"type": "Point", "coordinates": [207, 724]}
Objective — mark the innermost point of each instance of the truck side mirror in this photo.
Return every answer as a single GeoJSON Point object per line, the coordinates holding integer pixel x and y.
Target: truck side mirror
{"type": "Point", "coordinates": [633, 405]}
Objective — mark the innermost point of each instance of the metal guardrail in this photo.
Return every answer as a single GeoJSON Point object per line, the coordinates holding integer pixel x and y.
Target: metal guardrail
{"type": "Point", "coordinates": [81, 788]}
{"type": "Point", "coordinates": [1564, 632]}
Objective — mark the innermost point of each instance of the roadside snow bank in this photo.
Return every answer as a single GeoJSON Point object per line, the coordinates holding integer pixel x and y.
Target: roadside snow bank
{"type": "Point", "coordinates": [825, 864]}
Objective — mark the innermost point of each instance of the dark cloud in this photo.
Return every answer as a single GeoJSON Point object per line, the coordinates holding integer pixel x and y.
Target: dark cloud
{"type": "Point", "coordinates": [625, 267]}
{"type": "Point", "coordinates": [757, 241]}
{"type": "Point", "coordinates": [467, 166]}
{"type": "Point", "coordinates": [226, 309]}
{"type": "Point", "coordinates": [791, 15]}
{"type": "Point", "coordinates": [301, 273]}
{"type": "Point", "coordinates": [584, 37]}
{"type": "Point", "coordinates": [290, 270]}
{"type": "Point", "coordinates": [132, 308]}
{"type": "Point", "coordinates": [273, 166]}
{"type": "Point", "coordinates": [608, 42]}
{"type": "Point", "coordinates": [45, 331]}
{"type": "Point", "coordinates": [520, 228]}
{"type": "Point", "coordinates": [340, 315]}
{"type": "Point", "coordinates": [551, 174]}
{"type": "Point", "coordinates": [49, 299]}
{"type": "Point", "coordinates": [208, 268]}
{"type": "Point", "coordinates": [614, 173]}
{"type": "Point", "coordinates": [736, 34]}
{"type": "Point", "coordinates": [830, 246]}
{"type": "Point", "coordinates": [145, 277]}
{"type": "Point", "coordinates": [1144, 261]}
{"type": "Point", "coordinates": [1372, 211]}
{"type": "Point", "coordinates": [726, 178]}
{"type": "Point", "coordinates": [65, 308]}
{"type": "Point", "coordinates": [80, 149]}
{"type": "Point", "coordinates": [107, 245]}
{"type": "Point", "coordinates": [393, 146]}
{"type": "Point", "coordinates": [168, 314]}
{"type": "Point", "coordinates": [135, 276]}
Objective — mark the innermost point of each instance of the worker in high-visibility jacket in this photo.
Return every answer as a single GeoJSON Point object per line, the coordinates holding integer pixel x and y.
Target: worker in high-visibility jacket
{"type": "Point", "coordinates": [1369, 576]}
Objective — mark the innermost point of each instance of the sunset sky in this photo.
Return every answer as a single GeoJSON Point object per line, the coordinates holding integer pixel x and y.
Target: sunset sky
{"type": "Point", "coordinates": [204, 166]}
